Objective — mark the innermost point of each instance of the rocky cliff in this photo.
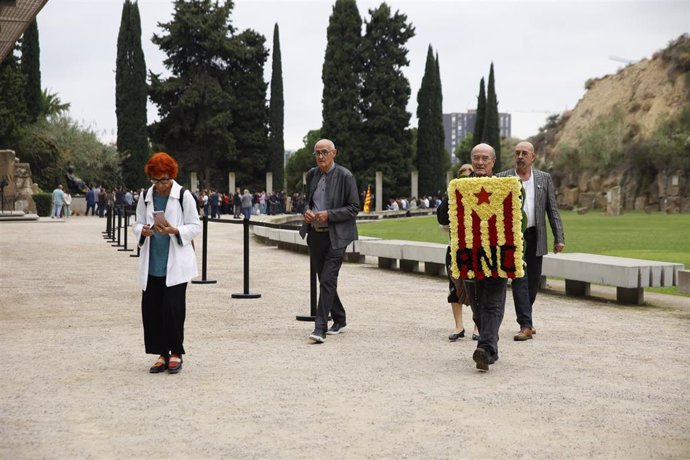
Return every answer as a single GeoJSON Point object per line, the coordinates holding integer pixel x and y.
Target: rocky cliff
{"type": "Point", "coordinates": [602, 152]}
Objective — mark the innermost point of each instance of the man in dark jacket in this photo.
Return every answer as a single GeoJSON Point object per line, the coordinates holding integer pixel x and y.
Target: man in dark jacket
{"type": "Point", "coordinates": [488, 295]}
{"type": "Point", "coordinates": [330, 223]}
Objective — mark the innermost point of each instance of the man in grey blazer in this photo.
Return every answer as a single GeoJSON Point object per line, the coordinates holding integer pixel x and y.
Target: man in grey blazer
{"type": "Point", "coordinates": [330, 223]}
{"type": "Point", "coordinates": [540, 200]}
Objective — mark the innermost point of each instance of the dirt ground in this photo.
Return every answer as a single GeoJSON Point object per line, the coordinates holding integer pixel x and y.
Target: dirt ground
{"type": "Point", "coordinates": [598, 380]}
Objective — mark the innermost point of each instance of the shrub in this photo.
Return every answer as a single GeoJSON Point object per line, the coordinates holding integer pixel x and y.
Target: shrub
{"type": "Point", "coordinates": [43, 203]}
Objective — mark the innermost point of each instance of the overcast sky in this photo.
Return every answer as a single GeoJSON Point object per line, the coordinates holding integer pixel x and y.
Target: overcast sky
{"type": "Point", "coordinates": [543, 51]}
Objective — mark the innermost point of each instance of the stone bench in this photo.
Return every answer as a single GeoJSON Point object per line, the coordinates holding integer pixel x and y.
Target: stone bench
{"type": "Point", "coordinates": [579, 270]}
{"type": "Point", "coordinates": [629, 276]}
{"type": "Point", "coordinates": [290, 240]}
{"type": "Point", "coordinates": [684, 281]}
{"type": "Point", "coordinates": [409, 253]}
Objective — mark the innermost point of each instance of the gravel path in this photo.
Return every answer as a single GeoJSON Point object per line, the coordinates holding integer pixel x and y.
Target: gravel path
{"type": "Point", "coordinates": [598, 380]}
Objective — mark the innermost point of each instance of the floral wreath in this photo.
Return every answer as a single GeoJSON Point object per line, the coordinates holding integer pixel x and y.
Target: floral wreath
{"type": "Point", "coordinates": [486, 227]}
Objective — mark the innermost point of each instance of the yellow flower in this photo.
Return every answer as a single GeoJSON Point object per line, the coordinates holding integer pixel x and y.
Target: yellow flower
{"type": "Point", "coordinates": [486, 227]}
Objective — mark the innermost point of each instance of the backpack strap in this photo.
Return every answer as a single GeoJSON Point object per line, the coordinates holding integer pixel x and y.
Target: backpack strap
{"type": "Point", "coordinates": [180, 199]}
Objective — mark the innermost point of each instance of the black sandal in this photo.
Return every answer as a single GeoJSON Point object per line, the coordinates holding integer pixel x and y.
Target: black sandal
{"type": "Point", "coordinates": [159, 366]}
{"type": "Point", "coordinates": [174, 364]}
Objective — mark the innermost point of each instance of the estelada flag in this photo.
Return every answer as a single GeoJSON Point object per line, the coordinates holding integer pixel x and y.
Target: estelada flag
{"type": "Point", "coordinates": [367, 199]}
{"type": "Point", "coordinates": [486, 227]}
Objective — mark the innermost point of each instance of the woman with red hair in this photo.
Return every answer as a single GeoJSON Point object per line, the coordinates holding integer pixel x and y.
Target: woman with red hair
{"type": "Point", "coordinates": [167, 222]}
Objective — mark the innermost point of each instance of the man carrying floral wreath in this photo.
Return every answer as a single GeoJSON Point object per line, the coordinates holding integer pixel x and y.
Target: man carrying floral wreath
{"type": "Point", "coordinates": [486, 220]}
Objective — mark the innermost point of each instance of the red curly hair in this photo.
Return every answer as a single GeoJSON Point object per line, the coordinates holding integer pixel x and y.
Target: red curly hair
{"type": "Point", "coordinates": [161, 164]}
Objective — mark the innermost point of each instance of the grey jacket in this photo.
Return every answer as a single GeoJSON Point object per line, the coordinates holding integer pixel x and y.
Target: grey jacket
{"type": "Point", "coordinates": [342, 204]}
{"type": "Point", "coordinates": [544, 203]}
{"type": "Point", "coordinates": [247, 199]}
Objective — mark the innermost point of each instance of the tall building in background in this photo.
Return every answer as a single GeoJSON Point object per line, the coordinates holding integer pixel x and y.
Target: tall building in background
{"type": "Point", "coordinates": [457, 125]}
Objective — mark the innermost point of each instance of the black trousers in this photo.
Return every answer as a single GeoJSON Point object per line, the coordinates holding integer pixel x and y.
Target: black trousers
{"type": "Point", "coordinates": [525, 289]}
{"type": "Point", "coordinates": [163, 311]}
{"type": "Point", "coordinates": [327, 262]}
{"type": "Point", "coordinates": [488, 298]}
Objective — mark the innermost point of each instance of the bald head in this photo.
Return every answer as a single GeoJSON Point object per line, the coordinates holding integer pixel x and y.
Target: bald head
{"type": "Point", "coordinates": [324, 154]}
{"type": "Point", "coordinates": [483, 159]}
{"type": "Point", "coordinates": [327, 143]}
{"type": "Point", "coordinates": [524, 145]}
{"type": "Point", "coordinates": [524, 156]}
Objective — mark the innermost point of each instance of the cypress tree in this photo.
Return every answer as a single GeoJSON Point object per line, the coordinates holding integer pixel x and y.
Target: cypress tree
{"type": "Point", "coordinates": [341, 76]}
{"type": "Point", "coordinates": [481, 114]}
{"type": "Point", "coordinates": [444, 155]}
{"type": "Point", "coordinates": [249, 112]}
{"type": "Point", "coordinates": [276, 113]}
{"type": "Point", "coordinates": [195, 101]}
{"type": "Point", "coordinates": [492, 134]}
{"type": "Point", "coordinates": [384, 97]}
{"type": "Point", "coordinates": [31, 68]}
{"type": "Point", "coordinates": [13, 113]}
{"type": "Point", "coordinates": [429, 151]}
{"type": "Point", "coordinates": [130, 97]}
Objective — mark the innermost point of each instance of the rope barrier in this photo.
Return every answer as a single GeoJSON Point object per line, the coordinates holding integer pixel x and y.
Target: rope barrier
{"type": "Point", "coordinates": [246, 223]}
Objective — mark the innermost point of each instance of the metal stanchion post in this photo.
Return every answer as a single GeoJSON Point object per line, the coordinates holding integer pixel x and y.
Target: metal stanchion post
{"type": "Point", "coordinates": [204, 254]}
{"type": "Point", "coordinates": [246, 294]}
{"type": "Point", "coordinates": [312, 294]}
{"type": "Point", "coordinates": [111, 216]}
{"type": "Point", "coordinates": [107, 226]}
{"type": "Point", "coordinates": [126, 224]}
{"type": "Point", "coordinates": [138, 251]}
{"type": "Point", "coordinates": [119, 227]}
{"type": "Point", "coordinates": [107, 229]}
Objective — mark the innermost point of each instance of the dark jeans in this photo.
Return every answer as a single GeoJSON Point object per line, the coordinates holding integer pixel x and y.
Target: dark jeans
{"type": "Point", "coordinates": [488, 305]}
{"type": "Point", "coordinates": [525, 289]}
{"type": "Point", "coordinates": [327, 262]}
{"type": "Point", "coordinates": [163, 310]}
{"type": "Point", "coordinates": [92, 207]}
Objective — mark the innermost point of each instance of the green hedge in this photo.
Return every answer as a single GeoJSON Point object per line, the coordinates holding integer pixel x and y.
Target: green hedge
{"type": "Point", "coordinates": [43, 202]}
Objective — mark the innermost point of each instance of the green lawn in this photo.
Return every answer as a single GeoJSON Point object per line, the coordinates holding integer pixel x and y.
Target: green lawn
{"type": "Point", "coordinates": [664, 237]}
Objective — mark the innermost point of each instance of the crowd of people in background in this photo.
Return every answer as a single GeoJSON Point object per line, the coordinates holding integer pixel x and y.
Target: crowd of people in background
{"type": "Point", "coordinates": [215, 204]}
{"type": "Point", "coordinates": [412, 203]}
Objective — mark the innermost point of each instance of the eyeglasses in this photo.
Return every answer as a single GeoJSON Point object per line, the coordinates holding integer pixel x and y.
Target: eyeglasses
{"type": "Point", "coordinates": [521, 153]}
{"type": "Point", "coordinates": [162, 180]}
{"type": "Point", "coordinates": [481, 158]}
{"type": "Point", "coordinates": [321, 152]}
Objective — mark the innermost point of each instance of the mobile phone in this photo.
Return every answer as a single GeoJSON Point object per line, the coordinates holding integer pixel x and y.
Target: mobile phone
{"type": "Point", "coordinates": [159, 219]}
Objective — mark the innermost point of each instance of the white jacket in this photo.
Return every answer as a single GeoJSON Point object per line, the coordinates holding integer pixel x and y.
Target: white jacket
{"type": "Point", "coordinates": [181, 257]}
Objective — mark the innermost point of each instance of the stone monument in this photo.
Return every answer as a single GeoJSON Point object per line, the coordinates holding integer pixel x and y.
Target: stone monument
{"type": "Point", "coordinates": [18, 188]}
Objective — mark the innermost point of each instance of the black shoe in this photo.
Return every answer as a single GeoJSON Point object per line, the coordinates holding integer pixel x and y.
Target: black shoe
{"type": "Point", "coordinates": [483, 359]}
{"type": "Point", "coordinates": [336, 329]}
{"type": "Point", "coordinates": [318, 336]}
{"type": "Point", "coordinates": [456, 335]}
{"type": "Point", "coordinates": [475, 336]}
{"type": "Point", "coordinates": [160, 365]}
{"type": "Point", "coordinates": [174, 364]}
